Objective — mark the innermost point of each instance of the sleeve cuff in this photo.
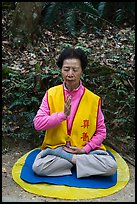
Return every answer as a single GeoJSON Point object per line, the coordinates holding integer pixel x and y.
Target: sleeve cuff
{"type": "Point", "coordinates": [87, 148]}
{"type": "Point", "coordinates": [62, 116]}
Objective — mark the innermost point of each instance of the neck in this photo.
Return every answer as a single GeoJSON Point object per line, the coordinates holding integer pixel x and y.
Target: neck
{"type": "Point", "coordinates": [71, 88]}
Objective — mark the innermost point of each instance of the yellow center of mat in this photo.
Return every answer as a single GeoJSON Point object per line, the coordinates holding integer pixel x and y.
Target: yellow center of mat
{"type": "Point", "coordinates": [66, 192]}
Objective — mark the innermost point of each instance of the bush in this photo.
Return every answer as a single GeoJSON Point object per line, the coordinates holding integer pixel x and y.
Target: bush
{"type": "Point", "coordinates": [22, 96]}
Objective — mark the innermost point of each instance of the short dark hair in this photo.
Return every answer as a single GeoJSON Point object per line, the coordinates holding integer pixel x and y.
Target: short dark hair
{"type": "Point", "coordinates": [70, 53]}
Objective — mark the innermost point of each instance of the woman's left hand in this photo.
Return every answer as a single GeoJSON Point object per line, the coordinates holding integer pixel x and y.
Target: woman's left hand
{"type": "Point", "coordinates": [74, 150]}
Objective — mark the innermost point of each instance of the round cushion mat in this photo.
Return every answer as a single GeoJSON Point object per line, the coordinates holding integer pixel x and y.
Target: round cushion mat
{"type": "Point", "coordinates": [67, 192]}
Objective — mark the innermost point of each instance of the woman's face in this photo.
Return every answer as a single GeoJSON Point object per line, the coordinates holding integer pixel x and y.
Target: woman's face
{"type": "Point", "coordinates": [71, 73]}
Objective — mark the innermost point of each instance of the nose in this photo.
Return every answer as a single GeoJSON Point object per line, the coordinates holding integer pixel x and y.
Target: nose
{"type": "Point", "coordinates": [70, 73]}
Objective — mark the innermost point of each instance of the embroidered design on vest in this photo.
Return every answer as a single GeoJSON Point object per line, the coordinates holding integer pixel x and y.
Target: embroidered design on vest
{"type": "Point", "coordinates": [85, 136]}
{"type": "Point", "coordinates": [85, 123]}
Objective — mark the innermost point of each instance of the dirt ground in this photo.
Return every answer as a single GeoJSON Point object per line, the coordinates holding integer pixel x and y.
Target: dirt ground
{"type": "Point", "coordinates": [12, 192]}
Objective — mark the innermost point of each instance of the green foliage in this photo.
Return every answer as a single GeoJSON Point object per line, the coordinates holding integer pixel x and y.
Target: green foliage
{"type": "Point", "coordinates": [78, 45]}
{"type": "Point", "coordinates": [75, 18]}
{"type": "Point", "coordinates": [22, 95]}
{"type": "Point", "coordinates": [117, 13]}
{"type": "Point", "coordinates": [118, 101]}
{"type": "Point", "coordinates": [8, 5]}
{"type": "Point", "coordinates": [125, 13]}
{"type": "Point", "coordinates": [70, 15]}
{"type": "Point", "coordinates": [5, 71]}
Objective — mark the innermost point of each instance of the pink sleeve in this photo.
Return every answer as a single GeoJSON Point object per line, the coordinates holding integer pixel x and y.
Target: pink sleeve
{"type": "Point", "coordinates": [43, 120]}
{"type": "Point", "coordinates": [100, 134]}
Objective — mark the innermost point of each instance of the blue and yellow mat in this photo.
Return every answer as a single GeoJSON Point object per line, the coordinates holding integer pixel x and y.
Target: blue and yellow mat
{"type": "Point", "coordinates": [69, 187]}
{"type": "Point", "coordinates": [28, 175]}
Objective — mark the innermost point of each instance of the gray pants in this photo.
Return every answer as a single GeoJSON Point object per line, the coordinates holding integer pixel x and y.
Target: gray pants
{"type": "Point", "coordinates": [90, 164]}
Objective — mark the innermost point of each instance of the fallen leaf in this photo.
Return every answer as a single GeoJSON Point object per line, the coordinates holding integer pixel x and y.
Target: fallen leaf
{"type": "Point", "coordinates": [4, 170]}
{"type": "Point", "coordinates": [32, 62]}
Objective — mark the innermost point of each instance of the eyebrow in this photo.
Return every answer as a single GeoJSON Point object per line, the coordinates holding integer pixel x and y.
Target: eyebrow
{"type": "Point", "coordinates": [70, 67]}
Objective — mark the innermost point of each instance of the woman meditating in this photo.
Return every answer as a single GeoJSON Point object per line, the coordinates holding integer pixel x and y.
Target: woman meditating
{"type": "Point", "coordinates": [73, 122]}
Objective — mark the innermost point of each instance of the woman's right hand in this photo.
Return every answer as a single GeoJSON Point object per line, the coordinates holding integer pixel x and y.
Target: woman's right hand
{"type": "Point", "coordinates": [67, 106]}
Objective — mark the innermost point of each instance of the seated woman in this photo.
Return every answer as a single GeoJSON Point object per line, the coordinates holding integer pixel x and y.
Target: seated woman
{"type": "Point", "coordinates": [73, 122]}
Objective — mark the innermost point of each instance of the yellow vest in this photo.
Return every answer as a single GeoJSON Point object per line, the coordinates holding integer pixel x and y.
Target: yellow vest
{"type": "Point", "coordinates": [84, 121]}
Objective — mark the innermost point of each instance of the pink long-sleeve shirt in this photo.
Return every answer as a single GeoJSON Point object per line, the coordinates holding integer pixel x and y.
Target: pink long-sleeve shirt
{"type": "Point", "coordinates": [44, 121]}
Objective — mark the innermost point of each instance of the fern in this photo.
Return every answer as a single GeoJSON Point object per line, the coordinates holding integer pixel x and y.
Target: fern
{"type": "Point", "coordinates": [101, 8]}
{"type": "Point", "coordinates": [119, 14]}
{"type": "Point", "coordinates": [70, 15]}
{"type": "Point", "coordinates": [88, 8]}
{"type": "Point", "coordinates": [70, 21]}
{"type": "Point", "coordinates": [78, 16]}
{"type": "Point", "coordinates": [16, 103]}
{"type": "Point", "coordinates": [51, 12]}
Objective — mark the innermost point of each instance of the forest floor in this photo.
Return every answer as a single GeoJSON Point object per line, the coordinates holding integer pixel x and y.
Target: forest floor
{"type": "Point", "coordinates": [12, 192]}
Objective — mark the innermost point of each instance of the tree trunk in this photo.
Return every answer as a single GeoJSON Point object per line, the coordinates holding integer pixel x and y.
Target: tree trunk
{"type": "Point", "coordinates": [26, 21]}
